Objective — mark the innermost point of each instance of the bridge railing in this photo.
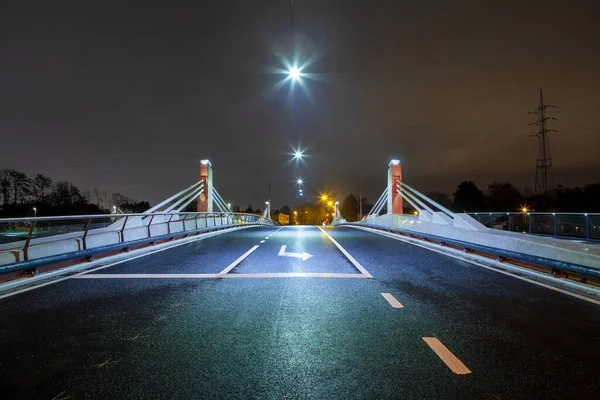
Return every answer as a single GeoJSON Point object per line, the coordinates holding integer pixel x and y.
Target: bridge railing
{"type": "Point", "coordinates": [568, 225]}
{"type": "Point", "coordinates": [34, 241]}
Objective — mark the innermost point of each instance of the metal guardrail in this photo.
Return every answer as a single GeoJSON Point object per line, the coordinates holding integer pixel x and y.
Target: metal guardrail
{"type": "Point", "coordinates": [568, 225]}
{"type": "Point", "coordinates": [582, 270]}
{"type": "Point", "coordinates": [19, 236]}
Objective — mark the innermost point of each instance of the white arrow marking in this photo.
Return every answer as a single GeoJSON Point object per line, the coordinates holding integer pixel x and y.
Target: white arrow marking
{"type": "Point", "coordinates": [304, 255]}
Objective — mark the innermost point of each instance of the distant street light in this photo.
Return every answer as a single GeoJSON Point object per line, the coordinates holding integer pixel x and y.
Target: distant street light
{"type": "Point", "coordinates": [298, 154]}
{"type": "Point", "coordinates": [299, 181]}
{"type": "Point", "coordinates": [114, 209]}
{"type": "Point", "coordinates": [34, 212]}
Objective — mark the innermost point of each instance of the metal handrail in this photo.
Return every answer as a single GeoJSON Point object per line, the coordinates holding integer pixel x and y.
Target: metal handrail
{"type": "Point", "coordinates": [100, 216]}
{"type": "Point", "coordinates": [33, 232]}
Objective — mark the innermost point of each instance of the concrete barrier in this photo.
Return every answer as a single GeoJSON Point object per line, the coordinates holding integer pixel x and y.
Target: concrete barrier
{"type": "Point", "coordinates": [10, 257]}
{"type": "Point", "coordinates": [159, 229]}
{"type": "Point", "coordinates": [53, 248]}
{"type": "Point", "coordinates": [102, 239]}
{"type": "Point", "coordinates": [135, 233]}
{"type": "Point", "coordinates": [176, 226]}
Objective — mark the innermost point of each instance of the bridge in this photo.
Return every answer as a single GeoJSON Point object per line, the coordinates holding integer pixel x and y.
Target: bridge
{"type": "Point", "coordinates": [215, 304]}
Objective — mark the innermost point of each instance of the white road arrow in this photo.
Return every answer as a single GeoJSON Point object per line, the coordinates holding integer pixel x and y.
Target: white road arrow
{"type": "Point", "coordinates": [304, 255]}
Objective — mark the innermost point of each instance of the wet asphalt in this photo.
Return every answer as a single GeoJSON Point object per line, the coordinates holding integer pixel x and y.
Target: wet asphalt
{"type": "Point", "coordinates": [329, 337]}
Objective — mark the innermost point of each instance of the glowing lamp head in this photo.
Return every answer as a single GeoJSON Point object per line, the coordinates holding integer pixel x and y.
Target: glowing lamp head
{"type": "Point", "coordinates": [294, 73]}
{"type": "Point", "coordinates": [298, 155]}
{"type": "Point", "coordinates": [299, 181]}
{"type": "Point", "coordinates": [395, 162]}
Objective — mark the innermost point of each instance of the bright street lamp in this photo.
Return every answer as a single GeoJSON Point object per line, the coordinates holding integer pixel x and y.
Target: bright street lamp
{"type": "Point", "coordinates": [299, 181]}
{"type": "Point", "coordinates": [34, 212]}
{"type": "Point", "coordinates": [294, 73]}
{"type": "Point", "coordinates": [298, 155]}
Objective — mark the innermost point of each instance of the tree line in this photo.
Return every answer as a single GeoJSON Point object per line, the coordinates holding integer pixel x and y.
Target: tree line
{"type": "Point", "coordinates": [23, 196]}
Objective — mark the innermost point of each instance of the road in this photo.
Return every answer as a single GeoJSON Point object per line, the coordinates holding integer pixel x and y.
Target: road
{"type": "Point", "coordinates": [227, 317]}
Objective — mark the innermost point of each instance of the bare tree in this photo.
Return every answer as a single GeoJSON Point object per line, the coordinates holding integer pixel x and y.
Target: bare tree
{"type": "Point", "coordinates": [20, 185]}
{"type": "Point", "coordinates": [5, 186]}
{"type": "Point", "coordinates": [41, 184]}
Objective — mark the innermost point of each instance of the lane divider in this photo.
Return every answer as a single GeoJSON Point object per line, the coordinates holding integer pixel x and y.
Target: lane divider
{"type": "Point", "coordinates": [392, 300]}
{"type": "Point", "coordinates": [239, 260]}
{"type": "Point", "coordinates": [348, 256]}
{"type": "Point", "coordinates": [262, 241]}
{"type": "Point", "coordinates": [446, 356]}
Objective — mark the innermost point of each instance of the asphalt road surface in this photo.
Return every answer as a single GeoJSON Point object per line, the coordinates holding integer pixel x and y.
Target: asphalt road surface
{"type": "Point", "coordinates": [240, 316]}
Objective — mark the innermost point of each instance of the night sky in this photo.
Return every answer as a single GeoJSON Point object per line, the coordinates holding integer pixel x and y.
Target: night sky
{"type": "Point", "coordinates": [127, 97]}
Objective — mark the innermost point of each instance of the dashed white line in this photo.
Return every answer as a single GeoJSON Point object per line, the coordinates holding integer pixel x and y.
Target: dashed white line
{"type": "Point", "coordinates": [348, 256]}
{"type": "Point", "coordinates": [392, 300]}
{"type": "Point", "coordinates": [262, 241]}
{"type": "Point", "coordinates": [239, 260]}
{"type": "Point", "coordinates": [446, 356]}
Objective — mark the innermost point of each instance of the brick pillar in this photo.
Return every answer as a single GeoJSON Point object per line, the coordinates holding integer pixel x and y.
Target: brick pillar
{"type": "Point", "coordinates": [205, 200]}
{"type": "Point", "coordinates": [394, 205]}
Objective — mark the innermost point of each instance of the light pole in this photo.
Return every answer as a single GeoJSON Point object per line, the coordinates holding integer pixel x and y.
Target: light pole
{"type": "Point", "coordinates": [268, 204]}
{"type": "Point", "coordinates": [34, 212]}
{"type": "Point", "coordinates": [337, 204]}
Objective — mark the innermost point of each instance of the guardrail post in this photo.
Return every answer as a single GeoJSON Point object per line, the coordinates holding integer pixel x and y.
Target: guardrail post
{"type": "Point", "coordinates": [196, 220]}
{"type": "Point", "coordinates": [122, 229]}
{"type": "Point", "coordinates": [508, 221]}
{"type": "Point", "coordinates": [87, 227]}
{"type": "Point", "coordinates": [26, 247]}
{"type": "Point", "coordinates": [150, 223]}
{"type": "Point", "coordinates": [529, 216]}
{"type": "Point", "coordinates": [587, 226]}
{"type": "Point", "coordinates": [555, 224]}
{"type": "Point", "coordinates": [169, 224]}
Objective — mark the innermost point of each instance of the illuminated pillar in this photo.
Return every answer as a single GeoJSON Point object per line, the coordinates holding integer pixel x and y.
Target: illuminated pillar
{"type": "Point", "coordinates": [394, 205]}
{"type": "Point", "coordinates": [205, 200]}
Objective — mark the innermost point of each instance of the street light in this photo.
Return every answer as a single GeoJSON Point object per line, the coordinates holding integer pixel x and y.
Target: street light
{"type": "Point", "coordinates": [114, 209]}
{"type": "Point", "coordinates": [299, 181]}
{"type": "Point", "coordinates": [294, 73]}
{"type": "Point", "coordinates": [298, 154]}
{"type": "Point", "coordinates": [34, 212]}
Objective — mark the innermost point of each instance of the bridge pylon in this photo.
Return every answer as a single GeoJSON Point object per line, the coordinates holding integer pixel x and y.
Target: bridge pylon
{"type": "Point", "coordinates": [205, 199]}
{"type": "Point", "coordinates": [394, 198]}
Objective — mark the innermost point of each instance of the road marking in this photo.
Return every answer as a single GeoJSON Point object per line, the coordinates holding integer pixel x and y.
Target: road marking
{"type": "Point", "coordinates": [262, 241]}
{"type": "Point", "coordinates": [267, 237]}
{"type": "Point", "coordinates": [348, 256]}
{"type": "Point", "coordinates": [461, 258]}
{"type": "Point", "coordinates": [304, 255]}
{"type": "Point", "coordinates": [392, 300]}
{"type": "Point", "coordinates": [219, 276]}
{"type": "Point", "coordinates": [239, 260]}
{"type": "Point", "coordinates": [446, 356]}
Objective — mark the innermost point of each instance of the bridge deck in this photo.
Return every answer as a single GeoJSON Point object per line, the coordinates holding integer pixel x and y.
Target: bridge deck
{"type": "Point", "coordinates": [135, 330]}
